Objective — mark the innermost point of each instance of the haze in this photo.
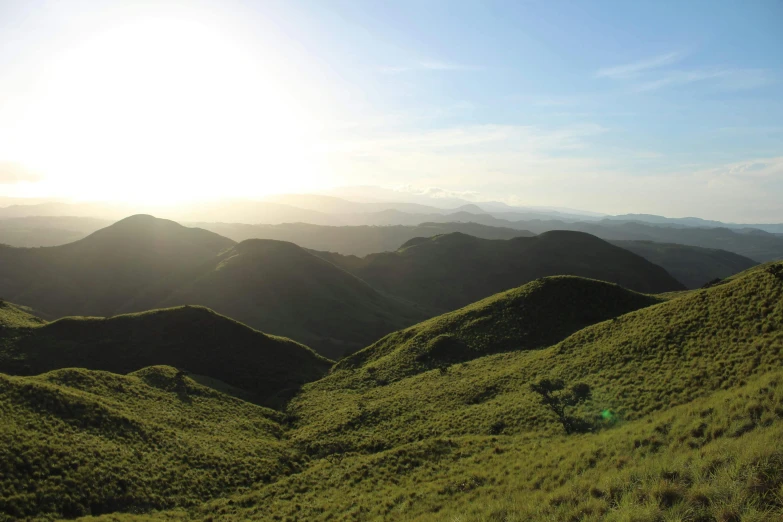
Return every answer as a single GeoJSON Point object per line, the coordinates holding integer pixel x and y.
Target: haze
{"type": "Point", "coordinates": [665, 108]}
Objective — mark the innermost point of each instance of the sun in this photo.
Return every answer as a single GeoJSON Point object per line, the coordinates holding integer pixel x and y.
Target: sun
{"type": "Point", "coordinates": [170, 109]}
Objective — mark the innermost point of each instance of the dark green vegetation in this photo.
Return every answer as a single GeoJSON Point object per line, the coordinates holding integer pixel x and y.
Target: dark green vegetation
{"type": "Point", "coordinates": [751, 243]}
{"type": "Point", "coordinates": [75, 442]}
{"type": "Point", "coordinates": [357, 240]}
{"type": "Point", "coordinates": [692, 266]}
{"type": "Point", "coordinates": [281, 288]}
{"type": "Point", "coordinates": [449, 271]}
{"type": "Point", "coordinates": [143, 263]}
{"type": "Point", "coordinates": [195, 339]}
{"type": "Point", "coordinates": [99, 274]}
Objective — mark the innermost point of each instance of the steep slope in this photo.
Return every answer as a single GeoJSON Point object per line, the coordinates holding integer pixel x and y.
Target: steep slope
{"type": "Point", "coordinates": [449, 271]}
{"type": "Point", "coordinates": [690, 265]}
{"type": "Point", "coordinates": [535, 315]}
{"type": "Point", "coordinates": [685, 421]}
{"type": "Point", "coordinates": [13, 316]}
{"type": "Point", "coordinates": [192, 338]}
{"type": "Point", "coordinates": [98, 274]}
{"type": "Point", "coordinates": [280, 288]}
{"type": "Point", "coordinates": [356, 240]}
{"type": "Point", "coordinates": [77, 442]}
{"type": "Point", "coordinates": [644, 361]}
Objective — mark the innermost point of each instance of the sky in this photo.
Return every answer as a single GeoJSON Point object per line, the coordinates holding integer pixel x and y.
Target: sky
{"type": "Point", "coordinates": [671, 108]}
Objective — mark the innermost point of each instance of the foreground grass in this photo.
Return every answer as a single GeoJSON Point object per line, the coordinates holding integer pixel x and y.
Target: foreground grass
{"type": "Point", "coordinates": [74, 442]}
{"type": "Point", "coordinates": [715, 459]}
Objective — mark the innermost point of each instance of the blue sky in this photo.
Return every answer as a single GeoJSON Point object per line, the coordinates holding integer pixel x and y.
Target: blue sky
{"type": "Point", "coordinates": [673, 108]}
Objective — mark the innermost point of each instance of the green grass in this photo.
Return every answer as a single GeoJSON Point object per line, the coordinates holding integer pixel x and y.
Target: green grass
{"type": "Point", "coordinates": [14, 316]}
{"type": "Point", "coordinates": [75, 442]}
{"type": "Point", "coordinates": [686, 410]}
{"type": "Point", "coordinates": [192, 338]}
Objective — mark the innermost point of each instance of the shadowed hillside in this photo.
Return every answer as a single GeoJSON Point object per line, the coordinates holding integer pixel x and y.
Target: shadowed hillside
{"type": "Point", "coordinates": [192, 338]}
{"type": "Point", "coordinates": [452, 270]}
{"type": "Point", "coordinates": [690, 265]}
{"type": "Point", "coordinates": [98, 274]}
{"type": "Point", "coordinates": [280, 288]}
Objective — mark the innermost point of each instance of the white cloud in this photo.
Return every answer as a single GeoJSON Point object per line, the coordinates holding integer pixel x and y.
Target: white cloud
{"type": "Point", "coordinates": [727, 79]}
{"type": "Point", "coordinates": [631, 70]}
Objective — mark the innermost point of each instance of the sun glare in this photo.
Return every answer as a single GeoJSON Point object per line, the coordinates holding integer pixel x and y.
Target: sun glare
{"type": "Point", "coordinates": [166, 110]}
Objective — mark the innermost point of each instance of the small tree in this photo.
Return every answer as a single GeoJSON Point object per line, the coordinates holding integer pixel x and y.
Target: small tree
{"type": "Point", "coordinates": [775, 270]}
{"type": "Point", "coordinates": [558, 398]}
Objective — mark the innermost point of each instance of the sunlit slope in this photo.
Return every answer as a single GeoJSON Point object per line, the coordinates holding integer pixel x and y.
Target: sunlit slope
{"type": "Point", "coordinates": [692, 266]}
{"type": "Point", "coordinates": [195, 339]}
{"type": "Point", "coordinates": [536, 315]}
{"type": "Point", "coordinates": [717, 458]}
{"type": "Point", "coordinates": [687, 414]}
{"type": "Point", "coordinates": [281, 288]}
{"type": "Point", "coordinates": [641, 362]}
{"type": "Point", "coordinates": [100, 273]}
{"type": "Point", "coordinates": [13, 316]}
{"type": "Point", "coordinates": [452, 270]}
{"type": "Point", "coordinates": [76, 442]}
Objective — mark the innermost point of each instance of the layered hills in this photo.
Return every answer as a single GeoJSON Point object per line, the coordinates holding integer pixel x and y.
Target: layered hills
{"type": "Point", "coordinates": [100, 273]}
{"type": "Point", "coordinates": [451, 270]}
{"type": "Point", "coordinates": [281, 288]}
{"type": "Point", "coordinates": [692, 266]}
{"type": "Point", "coordinates": [143, 263]}
{"type": "Point", "coordinates": [440, 421]}
{"type": "Point", "coordinates": [194, 339]}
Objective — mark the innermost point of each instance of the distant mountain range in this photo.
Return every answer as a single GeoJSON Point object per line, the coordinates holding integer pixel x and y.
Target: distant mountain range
{"type": "Point", "coordinates": [331, 302]}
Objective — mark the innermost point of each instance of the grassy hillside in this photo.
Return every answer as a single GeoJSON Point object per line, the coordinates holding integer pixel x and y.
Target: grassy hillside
{"type": "Point", "coordinates": [685, 416]}
{"type": "Point", "coordinates": [192, 338]}
{"type": "Point", "coordinates": [356, 240]}
{"type": "Point", "coordinates": [76, 442]}
{"type": "Point", "coordinates": [692, 266]}
{"type": "Point", "coordinates": [535, 315]}
{"type": "Point", "coordinates": [644, 361]}
{"type": "Point", "coordinates": [452, 270]}
{"type": "Point", "coordinates": [98, 274]}
{"type": "Point", "coordinates": [280, 288]}
{"type": "Point", "coordinates": [13, 316]}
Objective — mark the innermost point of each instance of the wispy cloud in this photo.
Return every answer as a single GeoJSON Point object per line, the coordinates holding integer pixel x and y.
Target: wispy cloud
{"type": "Point", "coordinates": [427, 65]}
{"type": "Point", "coordinates": [631, 70]}
{"type": "Point", "coordinates": [728, 79]}
{"type": "Point", "coordinates": [656, 73]}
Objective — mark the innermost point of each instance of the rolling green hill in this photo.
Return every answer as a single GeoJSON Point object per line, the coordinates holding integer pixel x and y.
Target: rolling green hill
{"type": "Point", "coordinates": [100, 273]}
{"type": "Point", "coordinates": [452, 270]}
{"type": "Point", "coordinates": [280, 288]}
{"type": "Point", "coordinates": [76, 442]}
{"type": "Point", "coordinates": [690, 265]}
{"type": "Point", "coordinates": [195, 339]}
{"type": "Point", "coordinates": [683, 421]}
{"type": "Point", "coordinates": [532, 316]}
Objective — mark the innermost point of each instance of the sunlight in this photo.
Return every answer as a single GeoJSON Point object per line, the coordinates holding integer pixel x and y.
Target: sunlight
{"type": "Point", "coordinates": [168, 110]}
